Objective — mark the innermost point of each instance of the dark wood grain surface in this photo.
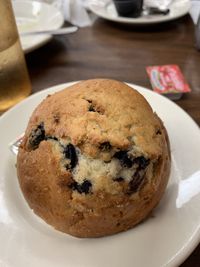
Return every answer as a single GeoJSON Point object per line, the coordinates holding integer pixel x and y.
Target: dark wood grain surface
{"type": "Point", "coordinates": [122, 52]}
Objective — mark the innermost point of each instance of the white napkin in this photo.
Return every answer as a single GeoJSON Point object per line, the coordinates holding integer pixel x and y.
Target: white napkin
{"type": "Point", "coordinates": [75, 12]}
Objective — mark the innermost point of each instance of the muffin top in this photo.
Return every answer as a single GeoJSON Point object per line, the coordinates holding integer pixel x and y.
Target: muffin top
{"type": "Point", "coordinates": [100, 117]}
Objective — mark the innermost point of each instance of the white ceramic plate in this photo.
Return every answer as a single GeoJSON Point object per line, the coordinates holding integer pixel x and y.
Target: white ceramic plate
{"type": "Point", "coordinates": [166, 239]}
{"type": "Point", "coordinates": [32, 16]}
{"type": "Point", "coordinates": [178, 8]}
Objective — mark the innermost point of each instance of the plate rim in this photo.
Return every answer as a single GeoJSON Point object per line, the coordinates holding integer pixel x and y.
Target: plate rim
{"type": "Point", "coordinates": [133, 21]}
{"type": "Point", "coordinates": [194, 240]}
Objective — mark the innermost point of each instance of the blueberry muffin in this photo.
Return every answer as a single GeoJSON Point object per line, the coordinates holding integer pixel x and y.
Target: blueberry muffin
{"type": "Point", "coordinates": [94, 160]}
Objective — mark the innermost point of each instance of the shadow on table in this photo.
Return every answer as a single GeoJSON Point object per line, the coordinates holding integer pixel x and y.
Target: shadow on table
{"type": "Point", "coordinates": [53, 47]}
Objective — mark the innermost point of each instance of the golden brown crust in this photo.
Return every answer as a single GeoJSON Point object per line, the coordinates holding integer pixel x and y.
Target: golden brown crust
{"type": "Point", "coordinates": [100, 118]}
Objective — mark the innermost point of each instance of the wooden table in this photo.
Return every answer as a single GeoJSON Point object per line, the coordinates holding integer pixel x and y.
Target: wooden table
{"type": "Point", "coordinates": [122, 52]}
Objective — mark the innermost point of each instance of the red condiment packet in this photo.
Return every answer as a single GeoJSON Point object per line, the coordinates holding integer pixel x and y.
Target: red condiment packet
{"type": "Point", "coordinates": [168, 80]}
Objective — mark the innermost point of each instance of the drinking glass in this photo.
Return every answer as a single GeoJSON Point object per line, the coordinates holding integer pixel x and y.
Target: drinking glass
{"type": "Point", "coordinates": [14, 79]}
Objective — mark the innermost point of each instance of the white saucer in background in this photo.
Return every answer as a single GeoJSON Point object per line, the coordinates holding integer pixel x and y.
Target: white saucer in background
{"type": "Point", "coordinates": [178, 8]}
{"type": "Point", "coordinates": [32, 16]}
